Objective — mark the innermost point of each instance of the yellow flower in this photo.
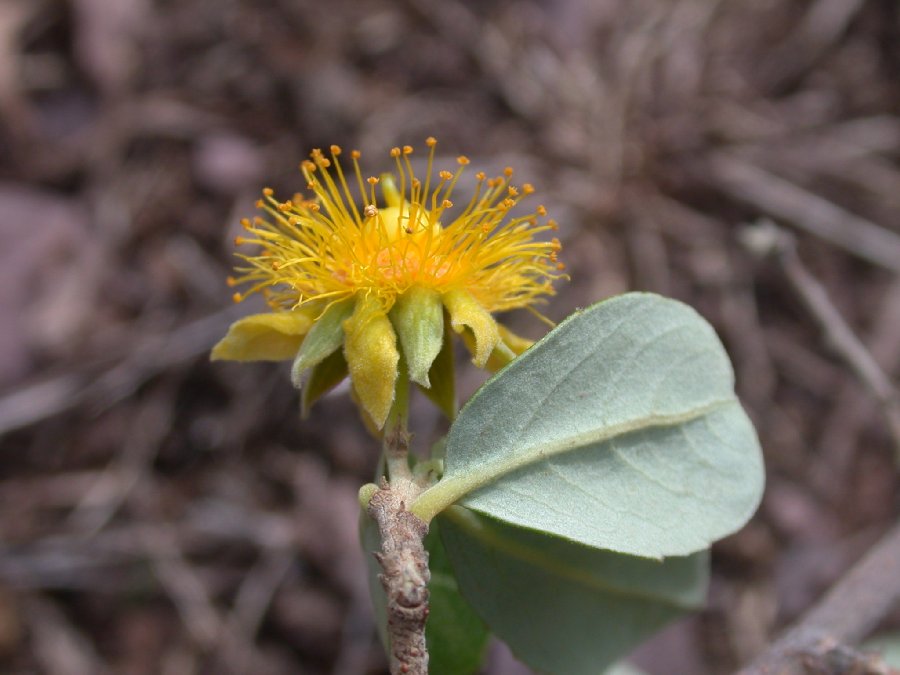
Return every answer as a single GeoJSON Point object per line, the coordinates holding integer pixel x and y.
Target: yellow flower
{"type": "Point", "coordinates": [378, 279]}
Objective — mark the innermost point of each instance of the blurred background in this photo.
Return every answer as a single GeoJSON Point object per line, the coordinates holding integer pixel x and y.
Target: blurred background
{"type": "Point", "coordinates": [161, 514]}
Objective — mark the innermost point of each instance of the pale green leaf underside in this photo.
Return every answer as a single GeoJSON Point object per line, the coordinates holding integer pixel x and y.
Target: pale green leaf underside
{"type": "Point", "coordinates": [620, 430]}
{"type": "Point", "coordinates": [561, 607]}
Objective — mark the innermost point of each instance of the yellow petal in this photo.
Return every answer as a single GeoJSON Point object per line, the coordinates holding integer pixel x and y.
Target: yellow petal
{"type": "Point", "coordinates": [370, 347]}
{"type": "Point", "coordinates": [509, 347]}
{"type": "Point", "coordinates": [264, 337]}
{"type": "Point", "coordinates": [466, 312]}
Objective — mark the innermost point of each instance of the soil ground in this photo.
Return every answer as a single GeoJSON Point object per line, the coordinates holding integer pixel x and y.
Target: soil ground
{"type": "Point", "coordinates": [162, 514]}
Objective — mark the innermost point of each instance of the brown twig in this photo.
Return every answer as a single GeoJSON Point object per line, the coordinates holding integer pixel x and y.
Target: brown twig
{"type": "Point", "coordinates": [766, 238]}
{"type": "Point", "coordinates": [403, 556]}
{"type": "Point", "coordinates": [849, 612]}
{"type": "Point", "coordinates": [782, 199]}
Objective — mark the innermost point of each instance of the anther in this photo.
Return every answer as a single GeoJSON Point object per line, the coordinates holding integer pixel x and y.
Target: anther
{"type": "Point", "coordinates": [395, 152]}
{"type": "Point", "coordinates": [245, 223]}
{"type": "Point", "coordinates": [445, 175]}
{"type": "Point", "coordinates": [238, 241]}
{"type": "Point", "coordinates": [553, 225]}
{"type": "Point", "coordinates": [306, 164]}
{"type": "Point", "coordinates": [407, 150]}
{"type": "Point", "coordinates": [335, 150]}
{"type": "Point", "coordinates": [231, 282]}
{"type": "Point", "coordinates": [370, 211]}
{"type": "Point", "coordinates": [508, 171]}
{"type": "Point", "coordinates": [462, 160]}
{"type": "Point", "coordinates": [355, 154]}
{"type": "Point", "coordinates": [541, 210]}
{"type": "Point", "coordinates": [275, 265]}
{"type": "Point", "coordinates": [236, 297]}
{"type": "Point", "coordinates": [372, 180]}
{"type": "Point", "coordinates": [527, 188]}
{"type": "Point", "coordinates": [431, 141]}
{"type": "Point", "coordinates": [512, 190]}
{"type": "Point", "coordinates": [446, 204]}
{"type": "Point", "coordinates": [480, 175]}
{"type": "Point", "coordinates": [268, 192]}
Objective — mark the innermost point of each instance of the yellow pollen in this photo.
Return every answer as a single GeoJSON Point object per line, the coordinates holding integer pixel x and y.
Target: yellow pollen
{"type": "Point", "coordinates": [383, 236]}
{"type": "Point", "coordinates": [431, 141]}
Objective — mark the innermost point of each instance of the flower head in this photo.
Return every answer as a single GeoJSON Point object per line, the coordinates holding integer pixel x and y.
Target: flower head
{"type": "Point", "coordinates": [356, 282]}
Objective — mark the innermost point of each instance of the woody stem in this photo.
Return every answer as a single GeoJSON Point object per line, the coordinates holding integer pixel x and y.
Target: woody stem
{"type": "Point", "coordinates": [403, 558]}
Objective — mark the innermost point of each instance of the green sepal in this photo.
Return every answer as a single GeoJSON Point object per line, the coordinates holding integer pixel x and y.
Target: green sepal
{"type": "Point", "coordinates": [418, 318]}
{"type": "Point", "coordinates": [325, 375]}
{"type": "Point", "coordinates": [323, 339]}
{"type": "Point", "coordinates": [442, 376]}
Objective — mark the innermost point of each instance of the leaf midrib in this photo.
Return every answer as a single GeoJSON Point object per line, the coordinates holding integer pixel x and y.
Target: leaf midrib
{"type": "Point", "coordinates": [451, 488]}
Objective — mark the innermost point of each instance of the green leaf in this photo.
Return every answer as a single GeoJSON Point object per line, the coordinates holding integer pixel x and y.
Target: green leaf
{"type": "Point", "coordinates": [888, 647]}
{"type": "Point", "coordinates": [456, 637]}
{"type": "Point", "coordinates": [325, 336]}
{"type": "Point", "coordinates": [561, 607]}
{"type": "Point", "coordinates": [620, 429]}
{"type": "Point", "coordinates": [371, 543]}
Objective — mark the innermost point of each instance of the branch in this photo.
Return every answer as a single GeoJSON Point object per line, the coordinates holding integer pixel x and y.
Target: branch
{"type": "Point", "coordinates": [768, 239]}
{"type": "Point", "coordinates": [847, 613]}
{"type": "Point", "coordinates": [405, 580]}
{"type": "Point", "coordinates": [403, 557]}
